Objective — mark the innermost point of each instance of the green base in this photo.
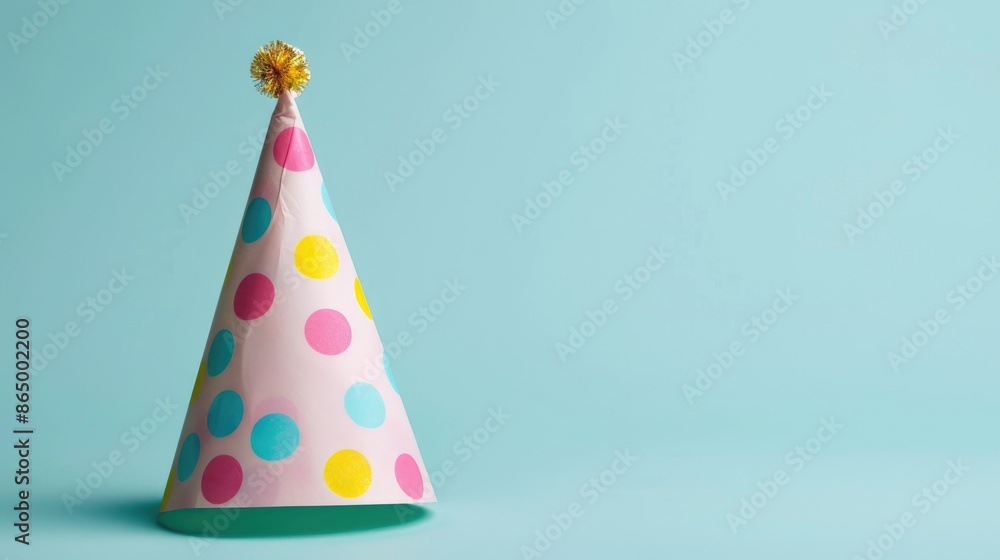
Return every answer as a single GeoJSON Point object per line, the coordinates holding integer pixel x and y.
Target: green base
{"type": "Point", "coordinates": [292, 520]}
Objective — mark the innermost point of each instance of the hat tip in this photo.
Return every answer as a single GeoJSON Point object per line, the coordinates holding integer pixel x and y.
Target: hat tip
{"type": "Point", "coordinates": [278, 67]}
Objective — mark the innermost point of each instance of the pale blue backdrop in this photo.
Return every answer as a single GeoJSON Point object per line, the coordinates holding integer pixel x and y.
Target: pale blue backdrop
{"type": "Point", "coordinates": [730, 324]}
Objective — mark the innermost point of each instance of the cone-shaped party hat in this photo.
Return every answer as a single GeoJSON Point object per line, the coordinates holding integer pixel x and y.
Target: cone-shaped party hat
{"type": "Point", "coordinates": [294, 403]}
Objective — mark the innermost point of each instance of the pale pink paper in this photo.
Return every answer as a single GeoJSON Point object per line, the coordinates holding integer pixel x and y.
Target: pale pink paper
{"type": "Point", "coordinates": [275, 370]}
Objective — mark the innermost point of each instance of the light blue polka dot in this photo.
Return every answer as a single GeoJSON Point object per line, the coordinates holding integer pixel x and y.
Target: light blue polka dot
{"type": "Point", "coordinates": [364, 405]}
{"type": "Point", "coordinates": [256, 220]}
{"type": "Point", "coordinates": [220, 352]}
{"type": "Point", "coordinates": [388, 372]}
{"type": "Point", "coordinates": [187, 460]}
{"type": "Point", "coordinates": [326, 201]}
{"type": "Point", "coordinates": [225, 414]}
{"type": "Point", "coordinates": [274, 437]}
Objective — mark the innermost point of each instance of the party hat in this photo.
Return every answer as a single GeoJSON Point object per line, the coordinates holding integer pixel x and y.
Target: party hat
{"type": "Point", "coordinates": [294, 403]}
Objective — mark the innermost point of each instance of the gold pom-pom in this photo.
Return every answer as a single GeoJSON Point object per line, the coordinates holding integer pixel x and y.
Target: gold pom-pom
{"type": "Point", "coordinates": [279, 67]}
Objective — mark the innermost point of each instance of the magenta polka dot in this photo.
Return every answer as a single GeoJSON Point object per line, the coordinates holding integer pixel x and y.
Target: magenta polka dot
{"type": "Point", "coordinates": [292, 150]}
{"type": "Point", "coordinates": [222, 479]}
{"type": "Point", "coordinates": [328, 332]}
{"type": "Point", "coordinates": [408, 476]}
{"type": "Point", "coordinates": [254, 296]}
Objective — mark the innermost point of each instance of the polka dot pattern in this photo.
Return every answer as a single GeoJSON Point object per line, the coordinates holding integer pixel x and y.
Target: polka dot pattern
{"type": "Point", "coordinates": [348, 473]}
{"type": "Point", "coordinates": [408, 476]}
{"type": "Point", "coordinates": [225, 414]}
{"type": "Point", "coordinates": [359, 294]}
{"type": "Point", "coordinates": [388, 371]}
{"type": "Point", "coordinates": [222, 479]}
{"type": "Point", "coordinates": [327, 202]}
{"type": "Point", "coordinates": [364, 405]}
{"type": "Point", "coordinates": [187, 459]}
{"type": "Point", "coordinates": [328, 332]}
{"type": "Point", "coordinates": [316, 258]}
{"type": "Point", "coordinates": [254, 297]}
{"type": "Point", "coordinates": [274, 437]}
{"type": "Point", "coordinates": [256, 220]}
{"type": "Point", "coordinates": [290, 388]}
{"type": "Point", "coordinates": [292, 150]}
{"type": "Point", "coordinates": [221, 352]}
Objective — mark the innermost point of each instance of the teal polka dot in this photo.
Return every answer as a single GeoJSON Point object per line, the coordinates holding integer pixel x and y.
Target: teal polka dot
{"type": "Point", "coordinates": [225, 413]}
{"type": "Point", "coordinates": [256, 220]}
{"type": "Point", "coordinates": [326, 201]}
{"type": "Point", "coordinates": [364, 405]}
{"type": "Point", "coordinates": [187, 460]}
{"type": "Point", "coordinates": [388, 372]}
{"type": "Point", "coordinates": [220, 353]}
{"type": "Point", "coordinates": [274, 437]}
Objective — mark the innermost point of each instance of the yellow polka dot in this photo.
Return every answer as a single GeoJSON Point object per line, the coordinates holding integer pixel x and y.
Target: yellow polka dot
{"type": "Point", "coordinates": [229, 269]}
{"type": "Point", "coordinates": [202, 371]}
{"type": "Point", "coordinates": [348, 473]}
{"type": "Point", "coordinates": [168, 490]}
{"type": "Point", "coordinates": [316, 258]}
{"type": "Point", "coordinates": [362, 300]}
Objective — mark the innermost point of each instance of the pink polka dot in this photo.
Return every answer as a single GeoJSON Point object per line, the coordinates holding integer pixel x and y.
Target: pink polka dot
{"type": "Point", "coordinates": [222, 479]}
{"type": "Point", "coordinates": [254, 296]}
{"type": "Point", "coordinates": [328, 332]}
{"type": "Point", "coordinates": [408, 476]}
{"type": "Point", "coordinates": [292, 150]}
